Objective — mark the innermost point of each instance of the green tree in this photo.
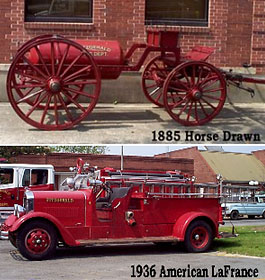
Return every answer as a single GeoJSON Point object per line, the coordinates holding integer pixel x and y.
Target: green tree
{"type": "Point", "coordinates": [13, 151]}
{"type": "Point", "coordinates": [79, 149]}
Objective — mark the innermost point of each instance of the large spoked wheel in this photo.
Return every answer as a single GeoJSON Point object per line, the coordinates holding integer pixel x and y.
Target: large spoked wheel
{"type": "Point", "coordinates": [37, 241]}
{"type": "Point", "coordinates": [53, 83]}
{"type": "Point", "coordinates": [153, 78]}
{"type": "Point", "coordinates": [194, 93]}
{"type": "Point", "coordinates": [198, 237]}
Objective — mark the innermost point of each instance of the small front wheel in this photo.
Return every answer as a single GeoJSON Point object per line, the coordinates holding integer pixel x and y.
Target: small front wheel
{"type": "Point", "coordinates": [198, 237]}
{"type": "Point", "coordinates": [37, 241]}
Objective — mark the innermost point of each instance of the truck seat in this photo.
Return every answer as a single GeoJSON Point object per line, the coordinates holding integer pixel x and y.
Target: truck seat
{"type": "Point", "coordinates": [105, 202]}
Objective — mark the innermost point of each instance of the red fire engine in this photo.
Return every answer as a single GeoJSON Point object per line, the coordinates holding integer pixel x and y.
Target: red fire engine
{"type": "Point", "coordinates": [15, 178]}
{"type": "Point", "coordinates": [110, 206]}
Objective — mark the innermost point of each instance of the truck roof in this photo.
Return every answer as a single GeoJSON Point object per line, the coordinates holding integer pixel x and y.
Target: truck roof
{"type": "Point", "coordinates": [25, 165]}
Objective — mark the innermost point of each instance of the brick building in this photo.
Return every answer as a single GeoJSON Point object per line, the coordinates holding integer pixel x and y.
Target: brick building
{"type": "Point", "coordinates": [62, 162]}
{"type": "Point", "coordinates": [236, 168]}
{"type": "Point", "coordinates": [235, 28]}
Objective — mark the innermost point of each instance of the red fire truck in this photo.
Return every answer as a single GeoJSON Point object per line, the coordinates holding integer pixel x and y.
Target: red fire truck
{"type": "Point", "coordinates": [108, 206]}
{"type": "Point", "coordinates": [15, 178]}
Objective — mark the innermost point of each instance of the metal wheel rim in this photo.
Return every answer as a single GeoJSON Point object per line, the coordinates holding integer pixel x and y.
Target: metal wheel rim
{"type": "Point", "coordinates": [190, 100]}
{"type": "Point", "coordinates": [55, 103]}
{"type": "Point", "coordinates": [37, 241]}
{"type": "Point", "coordinates": [154, 91]}
{"type": "Point", "coordinates": [199, 237]}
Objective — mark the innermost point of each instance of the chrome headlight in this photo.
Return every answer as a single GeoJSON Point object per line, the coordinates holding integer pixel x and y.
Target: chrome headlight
{"type": "Point", "coordinates": [18, 210]}
{"type": "Point", "coordinates": [28, 201]}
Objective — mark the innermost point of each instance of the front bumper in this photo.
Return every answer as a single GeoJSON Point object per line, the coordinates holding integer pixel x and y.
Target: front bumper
{"type": "Point", "coordinates": [3, 232]}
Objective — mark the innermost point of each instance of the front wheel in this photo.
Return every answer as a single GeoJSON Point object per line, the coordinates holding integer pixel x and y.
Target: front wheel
{"type": "Point", "coordinates": [37, 241]}
{"type": "Point", "coordinates": [234, 215]}
{"type": "Point", "coordinates": [198, 237]}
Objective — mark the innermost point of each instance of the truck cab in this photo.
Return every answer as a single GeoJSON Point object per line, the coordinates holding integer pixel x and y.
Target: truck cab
{"type": "Point", "coordinates": [16, 178]}
{"type": "Point", "coordinates": [111, 206]}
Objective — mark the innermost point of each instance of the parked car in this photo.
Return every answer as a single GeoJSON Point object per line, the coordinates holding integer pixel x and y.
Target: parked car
{"type": "Point", "coordinates": [251, 207]}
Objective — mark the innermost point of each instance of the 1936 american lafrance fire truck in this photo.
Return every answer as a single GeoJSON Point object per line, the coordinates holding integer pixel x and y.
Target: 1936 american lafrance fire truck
{"type": "Point", "coordinates": [112, 207]}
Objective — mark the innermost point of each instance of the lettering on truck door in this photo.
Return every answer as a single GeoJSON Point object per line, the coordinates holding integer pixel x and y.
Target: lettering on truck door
{"type": "Point", "coordinates": [8, 189]}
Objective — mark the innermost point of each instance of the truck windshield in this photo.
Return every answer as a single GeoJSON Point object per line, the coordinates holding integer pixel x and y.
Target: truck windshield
{"type": "Point", "coordinates": [33, 177]}
{"type": "Point", "coordinates": [6, 176]}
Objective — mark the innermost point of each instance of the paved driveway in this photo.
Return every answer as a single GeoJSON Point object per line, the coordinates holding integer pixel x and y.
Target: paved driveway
{"type": "Point", "coordinates": [118, 262]}
{"type": "Point", "coordinates": [139, 123]}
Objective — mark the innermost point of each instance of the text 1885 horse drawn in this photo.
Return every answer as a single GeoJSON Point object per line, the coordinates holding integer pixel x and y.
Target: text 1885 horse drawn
{"type": "Point", "coordinates": [54, 83]}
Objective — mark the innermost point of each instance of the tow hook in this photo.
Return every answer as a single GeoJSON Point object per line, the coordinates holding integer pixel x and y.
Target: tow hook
{"type": "Point", "coordinates": [129, 217]}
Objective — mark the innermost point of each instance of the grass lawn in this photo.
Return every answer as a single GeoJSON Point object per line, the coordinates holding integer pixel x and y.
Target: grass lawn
{"type": "Point", "coordinates": [250, 242]}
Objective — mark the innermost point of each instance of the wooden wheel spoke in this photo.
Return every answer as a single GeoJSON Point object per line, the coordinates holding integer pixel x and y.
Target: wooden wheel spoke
{"type": "Point", "coordinates": [151, 86]}
{"type": "Point", "coordinates": [180, 102]}
{"type": "Point", "coordinates": [52, 58]}
{"type": "Point", "coordinates": [189, 112]}
{"type": "Point", "coordinates": [79, 92]}
{"type": "Point", "coordinates": [32, 86]}
{"type": "Point", "coordinates": [69, 115]}
{"type": "Point", "coordinates": [73, 101]}
{"type": "Point", "coordinates": [209, 82]}
{"type": "Point", "coordinates": [177, 89]}
{"type": "Point", "coordinates": [159, 96]}
{"type": "Point", "coordinates": [196, 111]}
{"type": "Point", "coordinates": [62, 60]}
{"type": "Point", "coordinates": [55, 109]}
{"type": "Point", "coordinates": [46, 109]}
{"type": "Point", "coordinates": [200, 76]}
{"type": "Point", "coordinates": [72, 64]}
{"type": "Point", "coordinates": [213, 90]}
{"type": "Point", "coordinates": [30, 95]}
{"type": "Point", "coordinates": [186, 77]}
{"type": "Point", "coordinates": [203, 109]}
{"type": "Point", "coordinates": [88, 82]}
{"type": "Point", "coordinates": [36, 105]}
{"type": "Point", "coordinates": [76, 74]}
{"type": "Point", "coordinates": [208, 103]}
{"type": "Point", "coordinates": [35, 68]}
{"type": "Point", "coordinates": [38, 79]}
{"type": "Point", "coordinates": [183, 108]}
{"type": "Point", "coordinates": [212, 97]}
{"type": "Point", "coordinates": [154, 91]}
{"type": "Point", "coordinates": [42, 60]}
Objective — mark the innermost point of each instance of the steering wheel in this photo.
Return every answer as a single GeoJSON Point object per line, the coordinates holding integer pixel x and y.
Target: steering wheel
{"type": "Point", "coordinates": [106, 188]}
{"type": "Point", "coordinates": [79, 165]}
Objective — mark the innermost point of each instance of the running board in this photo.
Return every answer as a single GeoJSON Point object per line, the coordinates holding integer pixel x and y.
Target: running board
{"type": "Point", "coordinates": [127, 240]}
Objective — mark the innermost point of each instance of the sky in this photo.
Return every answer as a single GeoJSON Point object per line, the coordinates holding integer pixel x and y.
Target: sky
{"type": "Point", "coordinates": [150, 150]}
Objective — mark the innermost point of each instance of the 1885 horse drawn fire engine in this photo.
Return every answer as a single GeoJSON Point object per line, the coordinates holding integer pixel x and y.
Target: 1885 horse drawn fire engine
{"type": "Point", "coordinates": [54, 83]}
{"type": "Point", "coordinates": [109, 206]}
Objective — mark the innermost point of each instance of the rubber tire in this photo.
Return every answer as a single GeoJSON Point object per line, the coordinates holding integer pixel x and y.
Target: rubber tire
{"type": "Point", "coordinates": [234, 215]}
{"type": "Point", "coordinates": [189, 230]}
{"type": "Point", "coordinates": [23, 233]}
{"type": "Point", "coordinates": [263, 215]}
{"type": "Point", "coordinates": [12, 239]}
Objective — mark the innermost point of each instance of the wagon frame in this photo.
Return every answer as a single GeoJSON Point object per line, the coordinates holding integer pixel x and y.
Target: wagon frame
{"type": "Point", "coordinates": [50, 73]}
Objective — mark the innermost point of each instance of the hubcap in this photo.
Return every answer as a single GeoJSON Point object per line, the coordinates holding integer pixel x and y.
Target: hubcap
{"type": "Point", "coordinates": [197, 95]}
{"type": "Point", "coordinates": [54, 85]}
{"type": "Point", "coordinates": [37, 241]}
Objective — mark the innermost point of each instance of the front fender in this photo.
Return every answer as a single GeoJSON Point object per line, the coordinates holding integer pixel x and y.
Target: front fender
{"type": "Point", "coordinates": [66, 235]}
{"type": "Point", "coordinates": [184, 221]}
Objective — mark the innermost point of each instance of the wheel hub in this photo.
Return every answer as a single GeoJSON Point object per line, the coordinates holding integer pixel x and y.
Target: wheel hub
{"type": "Point", "coordinates": [197, 95]}
{"type": "Point", "coordinates": [54, 85]}
{"type": "Point", "coordinates": [197, 237]}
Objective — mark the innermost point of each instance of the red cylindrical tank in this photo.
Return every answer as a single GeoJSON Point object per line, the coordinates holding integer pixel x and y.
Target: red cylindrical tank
{"type": "Point", "coordinates": [107, 53]}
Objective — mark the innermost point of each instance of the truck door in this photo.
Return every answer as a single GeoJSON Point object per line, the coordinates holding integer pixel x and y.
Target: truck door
{"type": "Point", "coordinates": [8, 187]}
{"type": "Point", "coordinates": [36, 179]}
